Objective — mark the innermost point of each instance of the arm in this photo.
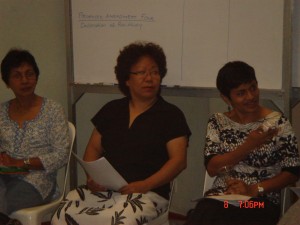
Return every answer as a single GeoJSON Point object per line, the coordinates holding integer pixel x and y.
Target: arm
{"type": "Point", "coordinates": [94, 148]}
{"type": "Point", "coordinates": [255, 139]}
{"type": "Point", "coordinates": [35, 162]}
{"type": "Point", "coordinates": [278, 182]}
{"type": "Point", "coordinates": [286, 154]}
{"type": "Point", "coordinates": [275, 183]}
{"type": "Point", "coordinates": [46, 142]}
{"type": "Point", "coordinates": [57, 138]}
{"type": "Point", "coordinates": [93, 152]}
{"type": "Point", "coordinates": [177, 151]}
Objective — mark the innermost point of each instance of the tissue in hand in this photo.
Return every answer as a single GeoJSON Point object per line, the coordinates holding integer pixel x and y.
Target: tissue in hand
{"type": "Point", "coordinates": [268, 125]}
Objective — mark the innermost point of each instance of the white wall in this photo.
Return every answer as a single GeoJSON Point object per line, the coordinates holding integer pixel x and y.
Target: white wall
{"type": "Point", "coordinates": [38, 26]}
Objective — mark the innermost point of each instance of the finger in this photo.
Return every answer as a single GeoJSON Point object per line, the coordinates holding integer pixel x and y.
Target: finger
{"type": "Point", "coordinates": [235, 190]}
{"type": "Point", "coordinates": [230, 191]}
{"type": "Point", "coordinates": [232, 181]}
{"type": "Point", "coordinates": [273, 131]}
{"type": "Point", "coordinates": [101, 188]}
{"type": "Point", "coordinates": [260, 130]}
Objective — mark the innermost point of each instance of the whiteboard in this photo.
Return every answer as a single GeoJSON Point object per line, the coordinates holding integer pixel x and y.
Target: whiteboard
{"type": "Point", "coordinates": [198, 37]}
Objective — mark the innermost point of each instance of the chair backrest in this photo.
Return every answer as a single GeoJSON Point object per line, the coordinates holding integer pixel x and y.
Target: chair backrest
{"type": "Point", "coordinates": [35, 215]}
{"type": "Point", "coordinates": [208, 182]}
{"type": "Point", "coordinates": [163, 219]}
{"type": "Point", "coordinates": [72, 134]}
{"type": "Point", "coordinates": [172, 185]}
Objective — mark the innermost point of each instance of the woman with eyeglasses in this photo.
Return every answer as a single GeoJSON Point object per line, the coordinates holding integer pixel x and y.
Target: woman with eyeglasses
{"type": "Point", "coordinates": [145, 139]}
{"type": "Point", "coordinates": [251, 151]}
{"type": "Point", "coordinates": [34, 138]}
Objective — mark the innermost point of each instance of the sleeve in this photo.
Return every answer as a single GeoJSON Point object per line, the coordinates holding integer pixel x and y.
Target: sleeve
{"type": "Point", "coordinates": [100, 120]}
{"type": "Point", "coordinates": [97, 120]}
{"type": "Point", "coordinates": [59, 141]}
{"type": "Point", "coordinates": [176, 125]}
{"type": "Point", "coordinates": [212, 141]}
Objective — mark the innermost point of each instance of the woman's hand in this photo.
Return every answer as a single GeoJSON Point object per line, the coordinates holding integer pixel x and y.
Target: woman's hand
{"type": "Point", "coordinates": [254, 140]}
{"type": "Point", "coordinates": [259, 137]}
{"type": "Point", "coordinates": [240, 187]}
{"type": "Point", "coordinates": [135, 187]}
{"type": "Point", "coordinates": [6, 160]}
{"type": "Point", "coordinates": [93, 186]}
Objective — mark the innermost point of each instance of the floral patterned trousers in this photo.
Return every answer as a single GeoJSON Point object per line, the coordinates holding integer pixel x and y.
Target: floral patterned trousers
{"type": "Point", "coordinates": [108, 208]}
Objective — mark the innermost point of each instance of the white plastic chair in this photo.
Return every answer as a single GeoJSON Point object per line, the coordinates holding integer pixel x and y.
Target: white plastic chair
{"type": "Point", "coordinates": [284, 201]}
{"type": "Point", "coordinates": [208, 182]}
{"type": "Point", "coordinates": [35, 215]}
{"type": "Point", "coordinates": [163, 219]}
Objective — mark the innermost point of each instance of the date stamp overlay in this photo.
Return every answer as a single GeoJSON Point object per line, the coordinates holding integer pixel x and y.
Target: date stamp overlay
{"type": "Point", "coordinates": [247, 204]}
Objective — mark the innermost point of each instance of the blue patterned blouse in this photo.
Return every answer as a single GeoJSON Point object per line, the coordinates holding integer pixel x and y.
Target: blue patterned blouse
{"type": "Point", "coordinates": [46, 137]}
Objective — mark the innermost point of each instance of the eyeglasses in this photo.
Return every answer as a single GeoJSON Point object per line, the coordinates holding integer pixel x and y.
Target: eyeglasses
{"type": "Point", "coordinates": [143, 73]}
{"type": "Point", "coordinates": [30, 75]}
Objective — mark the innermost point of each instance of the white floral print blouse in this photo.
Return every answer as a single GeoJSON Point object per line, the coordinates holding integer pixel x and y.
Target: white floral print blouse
{"type": "Point", "coordinates": [281, 153]}
{"type": "Point", "coordinates": [46, 137]}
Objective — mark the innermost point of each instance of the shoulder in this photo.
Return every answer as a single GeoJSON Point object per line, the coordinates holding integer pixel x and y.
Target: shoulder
{"type": "Point", "coordinates": [4, 107]}
{"type": "Point", "coordinates": [50, 103]}
{"type": "Point", "coordinates": [111, 108]}
{"type": "Point", "coordinates": [114, 105]}
{"type": "Point", "coordinates": [278, 118]}
{"type": "Point", "coordinates": [169, 114]}
{"type": "Point", "coordinates": [52, 108]}
{"type": "Point", "coordinates": [217, 117]}
{"type": "Point", "coordinates": [273, 114]}
{"type": "Point", "coordinates": [4, 104]}
{"type": "Point", "coordinates": [163, 105]}
{"type": "Point", "coordinates": [219, 121]}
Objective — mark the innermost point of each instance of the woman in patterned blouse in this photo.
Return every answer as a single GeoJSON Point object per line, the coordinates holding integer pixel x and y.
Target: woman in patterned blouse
{"type": "Point", "coordinates": [256, 148]}
{"type": "Point", "coordinates": [33, 137]}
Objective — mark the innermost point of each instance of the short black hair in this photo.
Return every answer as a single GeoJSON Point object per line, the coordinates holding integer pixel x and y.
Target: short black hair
{"type": "Point", "coordinates": [232, 75]}
{"type": "Point", "coordinates": [130, 55]}
{"type": "Point", "coordinates": [15, 58]}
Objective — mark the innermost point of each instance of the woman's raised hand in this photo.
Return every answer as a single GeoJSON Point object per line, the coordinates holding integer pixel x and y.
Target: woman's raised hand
{"type": "Point", "coordinates": [259, 137]}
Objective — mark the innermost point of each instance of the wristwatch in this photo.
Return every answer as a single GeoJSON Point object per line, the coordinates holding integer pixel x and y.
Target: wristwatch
{"type": "Point", "coordinates": [26, 163]}
{"type": "Point", "coordinates": [260, 190]}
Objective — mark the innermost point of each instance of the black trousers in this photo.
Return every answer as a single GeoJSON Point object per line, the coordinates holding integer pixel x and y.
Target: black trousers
{"type": "Point", "coordinates": [255, 211]}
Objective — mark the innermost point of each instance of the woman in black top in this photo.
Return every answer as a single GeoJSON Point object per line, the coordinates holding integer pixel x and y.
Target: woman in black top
{"type": "Point", "coordinates": [144, 137]}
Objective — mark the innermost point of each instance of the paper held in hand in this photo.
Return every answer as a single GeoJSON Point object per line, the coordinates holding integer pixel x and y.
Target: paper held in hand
{"type": "Point", "coordinates": [233, 199]}
{"type": "Point", "coordinates": [103, 173]}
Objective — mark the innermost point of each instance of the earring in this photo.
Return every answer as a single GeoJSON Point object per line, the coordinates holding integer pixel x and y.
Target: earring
{"type": "Point", "coordinates": [228, 108]}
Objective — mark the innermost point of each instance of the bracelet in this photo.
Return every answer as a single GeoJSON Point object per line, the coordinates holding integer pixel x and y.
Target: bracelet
{"type": "Point", "coordinates": [260, 190]}
{"type": "Point", "coordinates": [26, 163]}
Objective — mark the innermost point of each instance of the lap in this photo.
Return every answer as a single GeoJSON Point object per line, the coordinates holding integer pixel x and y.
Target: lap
{"type": "Point", "coordinates": [17, 194]}
{"type": "Point", "coordinates": [103, 208]}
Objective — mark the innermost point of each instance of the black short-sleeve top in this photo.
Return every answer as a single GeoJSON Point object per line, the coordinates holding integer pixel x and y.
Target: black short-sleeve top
{"type": "Point", "coordinates": [139, 151]}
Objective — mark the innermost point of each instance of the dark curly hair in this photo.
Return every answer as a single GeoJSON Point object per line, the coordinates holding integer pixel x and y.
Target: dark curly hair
{"type": "Point", "coordinates": [130, 55]}
{"type": "Point", "coordinates": [15, 58]}
{"type": "Point", "coordinates": [232, 75]}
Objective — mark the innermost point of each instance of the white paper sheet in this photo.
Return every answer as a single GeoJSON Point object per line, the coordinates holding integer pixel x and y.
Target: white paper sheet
{"type": "Point", "coordinates": [103, 173]}
{"type": "Point", "coordinates": [233, 199]}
